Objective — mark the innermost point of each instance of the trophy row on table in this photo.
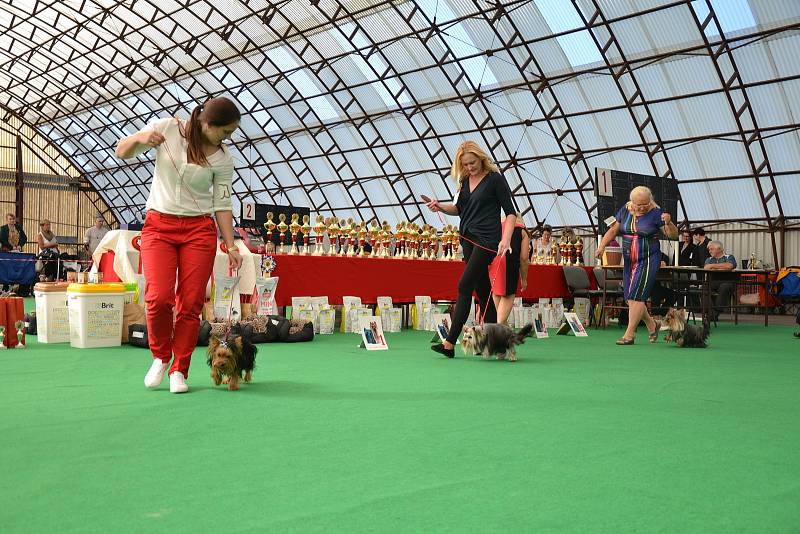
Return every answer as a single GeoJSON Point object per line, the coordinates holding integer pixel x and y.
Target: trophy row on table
{"type": "Point", "coordinates": [349, 238]}
{"type": "Point", "coordinates": [569, 250]}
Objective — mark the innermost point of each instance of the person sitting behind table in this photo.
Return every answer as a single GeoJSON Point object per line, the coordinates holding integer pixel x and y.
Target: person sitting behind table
{"type": "Point", "coordinates": [719, 261]}
{"type": "Point", "coordinates": [94, 235]}
{"type": "Point", "coordinates": [687, 249]}
{"type": "Point", "coordinates": [701, 242]}
{"type": "Point", "coordinates": [48, 251]}
{"type": "Point", "coordinates": [12, 236]}
{"type": "Point", "coordinates": [541, 245]}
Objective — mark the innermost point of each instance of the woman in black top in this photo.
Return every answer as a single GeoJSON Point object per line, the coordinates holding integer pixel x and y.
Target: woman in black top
{"type": "Point", "coordinates": [482, 192]}
{"type": "Point", "coordinates": [686, 249]}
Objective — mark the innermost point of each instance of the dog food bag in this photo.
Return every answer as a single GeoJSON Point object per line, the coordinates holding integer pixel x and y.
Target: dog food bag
{"type": "Point", "coordinates": [421, 303]}
{"type": "Point", "coordinates": [348, 304]}
{"type": "Point", "coordinates": [326, 319]}
{"type": "Point", "coordinates": [225, 298]}
{"type": "Point", "coordinates": [264, 292]}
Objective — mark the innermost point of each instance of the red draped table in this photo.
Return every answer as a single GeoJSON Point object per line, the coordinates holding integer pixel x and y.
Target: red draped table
{"type": "Point", "coordinates": [370, 278]}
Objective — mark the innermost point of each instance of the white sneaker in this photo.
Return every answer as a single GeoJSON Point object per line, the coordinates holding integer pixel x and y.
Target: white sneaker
{"type": "Point", "coordinates": [177, 383]}
{"type": "Point", "coordinates": [155, 375]}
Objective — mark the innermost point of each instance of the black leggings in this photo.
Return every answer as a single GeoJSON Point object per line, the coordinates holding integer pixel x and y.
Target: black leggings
{"type": "Point", "coordinates": [475, 278]}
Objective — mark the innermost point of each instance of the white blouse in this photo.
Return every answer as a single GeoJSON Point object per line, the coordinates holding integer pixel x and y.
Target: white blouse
{"type": "Point", "coordinates": [182, 188]}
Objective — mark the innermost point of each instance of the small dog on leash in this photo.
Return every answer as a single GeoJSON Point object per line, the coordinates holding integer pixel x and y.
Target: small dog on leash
{"type": "Point", "coordinates": [230, 358]}
{"type": "Point", "coordinates": [494, 339]}
{"type": "Point", "coordinates": [685, 334]}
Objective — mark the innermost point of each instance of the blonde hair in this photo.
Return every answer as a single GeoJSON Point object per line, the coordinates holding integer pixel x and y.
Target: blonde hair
{"type": "Point", "coordinates": [458, 172]}
{"type": "Point", "coordinates": [640, 190]}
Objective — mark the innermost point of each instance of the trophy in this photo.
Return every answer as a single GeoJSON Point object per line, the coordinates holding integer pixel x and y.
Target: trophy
{"type": "Point", "coordinates": [269, 226]}
{"type": "Point", "coordinates": [362, 232]}
{"type": "Point", "coordinates": [319, 230]}
{"type": "Point", "coordinates": [387, 238]}
{"type": "Point", "coordinates": [20, 326]}
{"type": "Point", "coordinates": [352, 231]}
{"type": "Point", "coordinates": [446, 235]}
{"type": "Point", "coordinates": [333, 236]}
{"type": "Point", "coordinates": [3, 337]}
{"type": "Point", "coordinates": [344, 232]}
{"type": "Point", "coordinates": [400, 240]}
{"type": "Point", "coordinates": [434, 244]}
{"type": "Point", "coordinates": [415, 238]}
{"type": "Point", "coordinates": [570, 252]}
{"type": "Point", "coordinates": [551, 259]}
{"type": "Point", "coordinates": [282, 227]}
{"type": "Point", "coordinates": [562, 245]}
{"type": "Point", "coordinates": [455, 238]}
{"type": "Point", "coordinates": [294, 226]}
{"type": "Point", "coordinates": [579, 251]}
{"type": "Point", "coordinates": [374, 237]}
{"type": "Point", "coordinates": [425, 241]}
{"type": "Point", "coordinates": [305, 229]}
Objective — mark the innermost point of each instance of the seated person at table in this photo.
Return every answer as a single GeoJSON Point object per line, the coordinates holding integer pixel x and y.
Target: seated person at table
{"type": "Point", "coordinates": [48, 252]}
{"type": "Point", "coordinates": [719, 261]}
{"type": "Point", "coordinates": [541, 245]}
{"type": "Point", "coordinates": [686, 249]}
{"type": "Point", "coordinates": [12, 236]}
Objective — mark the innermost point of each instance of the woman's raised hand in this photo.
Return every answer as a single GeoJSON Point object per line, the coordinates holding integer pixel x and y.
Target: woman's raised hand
{"type": "Point", "coordinates": [433, 205]}
{"type": "Point", "coordinates": [151, 138]}
{"type": "Point", "coordinates": [666, 218]}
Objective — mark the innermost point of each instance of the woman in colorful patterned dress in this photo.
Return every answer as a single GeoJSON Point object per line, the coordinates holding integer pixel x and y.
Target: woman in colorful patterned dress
{"type": "Point", "coordinates": [639, 221]}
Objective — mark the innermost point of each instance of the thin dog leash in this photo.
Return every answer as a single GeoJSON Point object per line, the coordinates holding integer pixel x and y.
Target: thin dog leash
{"type": "Point", "coordinates": [494, 279]}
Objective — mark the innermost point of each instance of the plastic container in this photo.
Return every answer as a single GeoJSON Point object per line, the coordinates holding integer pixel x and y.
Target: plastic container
{"type": "Point", "coordinates": [95, 314]}
{"type": "Point", "coordinates": [52, 314]}
{"type": "Point", "coordinates": [131, 292]}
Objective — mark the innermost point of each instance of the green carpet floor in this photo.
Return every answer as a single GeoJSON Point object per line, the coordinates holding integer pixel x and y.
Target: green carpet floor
{"type": "Point", "coordinates": [578, 436]}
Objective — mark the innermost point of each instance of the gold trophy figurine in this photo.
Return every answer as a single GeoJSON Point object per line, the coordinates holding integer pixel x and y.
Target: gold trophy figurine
{"type": "Point", "coordinates": [434, 243]}
{"type": "Point", "coordinates": [399, 240]}
{"type": "Point", "coordinates": [374, 237]}
{"type": "Point", "coordinates": [305, 229]}
{"type": "Point", "coordinates": [294, 227]}
{"type": "Point", "coordinates": [579, 251]}
{"type": "Point", "coordinates": [269, 226]}
{"type": "Point", "coordinates": [562, 245]}
{"type": "Point", "coordinates": [333, 236]}
{"type": "Point", "coordinates": [551, 259]}
{"type": "Point", "coordinates": [411, 235]}
{"type": "Point", "coordinates": [20, 326]}
{"type": "Point", "coordinates": [446, 236]}
{"type": "Point", "coordinates": [353, 241]}
{"type": "Point", "coordinates": [387, 239]}
{"type": "Point", "coordinates": [425, 241]}
{"type": "Point", "coordinates": [363, 233]}
{"type": "Point", "coordinates": [282, 227]}
{"type": "Point", "coordinates": [456, 237]}
{"type": "Point", "coordinates": [344, 232]}
{"type": "Point", "coordinates": [570, 252]}
{"type": "Point", "coordinates": [319, 230]}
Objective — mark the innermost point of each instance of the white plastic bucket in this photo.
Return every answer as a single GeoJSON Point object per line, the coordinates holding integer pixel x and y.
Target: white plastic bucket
{"type": "Point", "coordinates": [52, 315]}
{"type": "Point", "coordinates": [95, 315]}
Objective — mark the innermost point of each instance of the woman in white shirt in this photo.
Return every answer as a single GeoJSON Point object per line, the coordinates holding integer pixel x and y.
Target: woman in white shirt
{"type": "Point", "coordinates": [192, 181]}
{"type": "Point", "coordinates": [48, 252]}
{"type": "Point", "coordinates": [541, 246]}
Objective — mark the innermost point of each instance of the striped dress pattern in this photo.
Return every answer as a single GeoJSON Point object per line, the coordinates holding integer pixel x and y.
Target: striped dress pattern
{"type": "Point", "coordinates": [641, 252]}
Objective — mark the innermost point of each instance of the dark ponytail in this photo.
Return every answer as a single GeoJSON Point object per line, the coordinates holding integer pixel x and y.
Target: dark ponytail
{"type": "Point", "coordinates": [218, 111]}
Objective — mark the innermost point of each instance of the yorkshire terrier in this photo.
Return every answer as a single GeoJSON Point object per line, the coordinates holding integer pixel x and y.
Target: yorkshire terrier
{"type": "Point", "coordinates": [494, 339]}
{"type": "Point", "coordinates": [683, 333]}
{"type": "Point", "coordinates": [230, 358]}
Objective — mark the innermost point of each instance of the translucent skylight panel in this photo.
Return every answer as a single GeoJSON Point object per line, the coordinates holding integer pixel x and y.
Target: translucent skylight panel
{"type": "Point", "coordinates": [459, 42]}
{"type": "Point", "coordinates": [734, 15]}
{"type": "Point", "coordinates": [577, 46]}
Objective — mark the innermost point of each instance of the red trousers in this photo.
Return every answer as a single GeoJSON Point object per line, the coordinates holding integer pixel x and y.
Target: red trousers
{"type": "Point", "coordinates": [186, 245]}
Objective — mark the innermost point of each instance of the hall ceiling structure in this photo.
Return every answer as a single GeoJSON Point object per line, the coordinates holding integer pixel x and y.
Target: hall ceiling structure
{"type": "Point", "coordinates": [355, 108]}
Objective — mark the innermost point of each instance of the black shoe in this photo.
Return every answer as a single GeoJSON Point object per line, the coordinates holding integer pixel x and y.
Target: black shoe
{"type": "Point", "coordinates": [450, 353]}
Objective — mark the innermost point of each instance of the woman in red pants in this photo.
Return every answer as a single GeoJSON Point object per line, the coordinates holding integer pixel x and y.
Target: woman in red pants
{"type": "Point", "coordinates": [192, 181]}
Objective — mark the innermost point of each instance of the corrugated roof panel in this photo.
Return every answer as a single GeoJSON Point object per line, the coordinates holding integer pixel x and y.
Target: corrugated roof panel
{"type": "Point", "coordinates": [769, 12]}
{"type": "Point", "coordinates": [789, 192]}
{"type": "Point", "coordinates": [667, 29]}
{"type": "Point", "coordinates": [714, 158]}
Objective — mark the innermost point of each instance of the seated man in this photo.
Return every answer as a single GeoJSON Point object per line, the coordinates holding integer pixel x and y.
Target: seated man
{"type": "Point", "coordinates": [719, 261]}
